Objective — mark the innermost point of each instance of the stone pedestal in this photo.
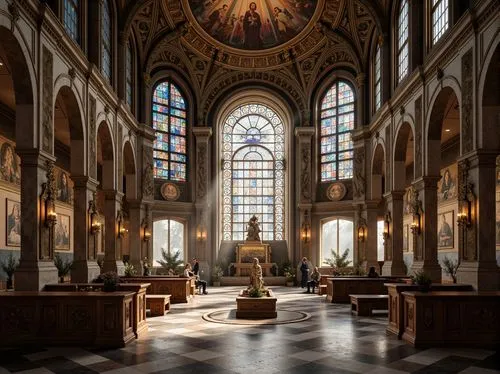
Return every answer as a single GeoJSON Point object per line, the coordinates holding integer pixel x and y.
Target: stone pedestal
{"type": "Point", "coordinates": [256, 307]}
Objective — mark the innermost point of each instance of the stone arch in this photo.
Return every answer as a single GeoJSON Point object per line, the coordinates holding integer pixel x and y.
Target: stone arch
{"type": "Point", "coordinates": [24, 83]}
{"type": "Point", "coordinates": [434, 127]}
{"type": "Point", "coordinates": [378, 172]}
{"type": "Point", "coordinates": [404, 152]}
{"type": "Point", "coordinates": [129, 171]}
{"type": "Point", "coordinates": [105, 156]}
{"type": "Point", "coordinates": [70, 129]}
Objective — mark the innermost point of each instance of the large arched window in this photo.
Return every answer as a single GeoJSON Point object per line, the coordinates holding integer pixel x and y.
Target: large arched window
{"type": "Point", "coordinates": [129, 71]}
{"type": "Point", "coordinates": [378, 78]}
{"type": "Point", "coordinates": [71, 18]}
{"type": "Point", "coordinates": [253, 152]}
{"type": "Point", "coordinates": [170, 124]}
{"type": "Point", "coordinates": [402, 39]}
{"type": "Point", "coordinates": [337, 236]}
{"type": "Point", "coordinates": [106, 35]}
{"type": "Point", "coordinates": [440, 19]}
{"type": "Point", "coordinates": [168, 234]}
{"type": "Point", "coordinates": [337, 123]}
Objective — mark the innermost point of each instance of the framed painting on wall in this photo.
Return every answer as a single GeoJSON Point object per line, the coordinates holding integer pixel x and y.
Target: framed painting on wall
{"type": "Point", "coordinates": [447, 185]}
{"type": "Point", "coordinates": [445, 230]}
{"type": "Point", "coordinates": [13, 223]}
{"type": "Point", "coordinates": [62, 232]}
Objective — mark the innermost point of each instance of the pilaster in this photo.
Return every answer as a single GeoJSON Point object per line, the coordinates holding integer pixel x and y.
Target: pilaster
{"type": "Point", "coordinates": [393, 264]}
{"type": "Point", "coordinates": [112, 252]}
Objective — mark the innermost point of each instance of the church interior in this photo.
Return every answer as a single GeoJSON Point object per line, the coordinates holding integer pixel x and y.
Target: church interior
{"type": "Point", "coordinates": [255, 141]}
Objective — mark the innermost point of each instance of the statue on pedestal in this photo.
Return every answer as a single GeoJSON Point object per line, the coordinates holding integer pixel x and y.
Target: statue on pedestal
{"type": "Point", "coordinates": [253, 229]}
{"type": "Point", "coordinates": [256, 281]}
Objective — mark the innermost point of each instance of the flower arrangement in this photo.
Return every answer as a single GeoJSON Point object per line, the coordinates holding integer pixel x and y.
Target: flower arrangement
{"type": "Point", "coordinates": [129, 270]}
{"type": "Point", "coordinates": [9, 267]}
{"type": "Point", "coordinates": [255, 292]}
{"type": "Point", "coordinates": [217, 273]}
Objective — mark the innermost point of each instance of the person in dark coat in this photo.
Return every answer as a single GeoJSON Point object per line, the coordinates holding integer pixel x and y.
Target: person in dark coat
{"type": "Point", "coordinates": [304, 269]}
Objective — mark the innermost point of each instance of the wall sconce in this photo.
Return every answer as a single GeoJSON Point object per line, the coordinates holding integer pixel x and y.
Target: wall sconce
{"type": "Point", "coordinates": [95, 222]}
{"type": "Point", "coordinates": [146, 234]}
{"type": "Point", "coordinates": [464, 217]}
{"type": "Point", "coordinates": [48, 197]}
{"type": "Point", "coordinates": [121, 225]}
{"type": "Point", "coordinates": [50, 213]}
{"type": "Point", "coordinates": [387, 221]}
{"type": "Point", "coordinates": [361, 234]}
{"type": "Point", "coordinates": [305, 232]}
{"type": "Point", "coordinates": [416, 225]}
{"type": "Point", "coordinates": [201, 234]}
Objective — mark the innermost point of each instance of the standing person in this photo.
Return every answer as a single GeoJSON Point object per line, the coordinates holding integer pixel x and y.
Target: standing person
{"type": "Point", "coordinates": [304, 269]}
{"type": "Point", "coordinates": [199, 282]}
{"type": "Point", "coordinates": [252, 25]}
{"type": "Point", "coordinates": [315, 278]}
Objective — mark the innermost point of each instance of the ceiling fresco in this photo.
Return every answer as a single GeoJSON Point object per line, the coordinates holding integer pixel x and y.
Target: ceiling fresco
{"type": "Point", "coordinates": [253, 25]}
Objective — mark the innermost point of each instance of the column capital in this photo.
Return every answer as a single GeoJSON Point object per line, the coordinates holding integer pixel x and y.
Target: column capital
{"type": "Point", "coordinates": [34, 157]}
{"type": "Point", "coordinates": [84, 181]}
{"type": "Point", "coordinates": [427, 182]}
{"type": "Point", "coordinates": [394, 195]}
{"type": "Point", "coordinates": [113, 195]}
{"type": "Point", "coordinates": [305, 132]}
{"type": "Point", "coordinates": [202, 133]}
{"type": "Point", "coordinates": [480, 157]}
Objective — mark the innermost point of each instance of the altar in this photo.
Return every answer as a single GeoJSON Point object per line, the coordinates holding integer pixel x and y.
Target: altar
{"type": "Point", "coordinates": [246, 252]}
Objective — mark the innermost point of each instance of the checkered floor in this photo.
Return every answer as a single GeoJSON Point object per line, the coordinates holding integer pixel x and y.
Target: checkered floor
{"type": "Point", "coordinates": [330, 342]}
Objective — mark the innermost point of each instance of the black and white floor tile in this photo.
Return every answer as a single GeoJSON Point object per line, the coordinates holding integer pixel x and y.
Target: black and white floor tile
{"type": "Point", "coordinates": [331, 341]}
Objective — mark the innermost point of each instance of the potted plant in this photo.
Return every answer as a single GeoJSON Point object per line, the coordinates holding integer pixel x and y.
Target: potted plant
{"type": "Point", "coordinates": [129, 270]}
{"type": "Point", "coordinates": [289, 275]}
{"type": "Point", "coordinates": [63, 267]}
{"type": "Point", "coordinates": [450, 268]}
{"type": "Point", "coordinates": [339, 261]}
{"type": "Point", "coordinates": [217, 274]}
{"type": "Point", "coordinates": [171, 261]}
{"type": "Point", "coordinates": [9, 268]}
{"type": "Point", "coordinates": [423, 280]}
{"type": "Point", "coordinates": [109, 279]}
{"type": "Point", "coordinates": [146, 267]}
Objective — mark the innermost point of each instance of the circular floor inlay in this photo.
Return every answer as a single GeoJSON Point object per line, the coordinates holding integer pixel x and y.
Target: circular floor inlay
{"type": "Point", "coordinates": [228, 316]}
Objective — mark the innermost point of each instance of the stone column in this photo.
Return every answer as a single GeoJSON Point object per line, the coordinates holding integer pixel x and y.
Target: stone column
{"type": "Point", "coordinates": [425, 248]}
{"type": "Point", "coordinates": [477, 249]}
{"type": "Point", "coordinates": [359, 254]}
{"type": "Point", "coordinates": [36, 267]}
{"type": "Point", "coordinates": [85, 267]}
{"type": "Point", "coordinates": [136, 234]}
{"type": "Point", "coordinates": [394, 264]}
{"type": "Point", "coordinates": [371, 235]}
{"type": "Point", "coordinates": [204, 226]}
{"type": "Point", "coordinates": [112, 252]}
{"type": "Point", "coordinates": [303, 190]}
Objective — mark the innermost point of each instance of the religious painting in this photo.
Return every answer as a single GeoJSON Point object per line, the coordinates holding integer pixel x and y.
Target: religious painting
{"type": "Point", "coordinates": [406, 244]}
{"type": "Point", "coordinates": [64, 188]}
{"type": "Point", "coordinates": [253, 25]}
{"type": "Point", "coordinates": [62, 232]}
{"type": "Point", "coordinates": [447, 185]}
{"type": "Point", "coordinates": [336, 191]}
{"type": "Point", "coordinates": [445, 230]}
{"type": "Point", "coordinates": [170, 191]}
{"type": "Point", "coordinates": [10, 164]}
{"type": "Point", "coordinates": [13, 229]}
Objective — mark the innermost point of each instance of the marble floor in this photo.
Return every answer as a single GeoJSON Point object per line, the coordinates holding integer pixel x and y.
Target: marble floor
{"type": "Point", "coordinates": [331, 341]}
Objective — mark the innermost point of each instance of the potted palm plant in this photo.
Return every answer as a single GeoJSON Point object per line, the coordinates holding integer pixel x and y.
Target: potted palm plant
{"type": "Point", "coordinates": [289, 275]}
{"type": "Point", "coordinates": [216, 275]}
{"type": "Point", "coordinates": [9, 267]}
{"type": "Point", "coordinates": [63, 267]}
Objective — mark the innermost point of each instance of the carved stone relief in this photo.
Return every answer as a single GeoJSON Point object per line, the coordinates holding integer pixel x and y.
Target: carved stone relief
{"type": "Point", "coordinates": [201, 175]}
{"type": "Point", "coordinates": [467, 102]}
{"type": "Point", "coordinates": [305, 178]}
{"type": "Point", "coordinates": [418, 137]}
{"type": "Point", "coordinates": [359, 179]}
{"type": "Point", "coordinates": [47, 97]}
{"type": "Point", "coordinates": [92, 138]}
{"type": "Point", "coordinates": [467, 232]}
{"type": "Point", "coordinates": [388, 170]}
{"type": "Point", "coordinates": [147, 172]}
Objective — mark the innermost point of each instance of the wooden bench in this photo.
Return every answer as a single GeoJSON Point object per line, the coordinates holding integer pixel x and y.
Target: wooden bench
{"type": "Point", "coordinates": [363, 305]}
{"type": "Point", "coordinates": [322, 289]}
{"type": "Point", "coordinates": [158, 304]}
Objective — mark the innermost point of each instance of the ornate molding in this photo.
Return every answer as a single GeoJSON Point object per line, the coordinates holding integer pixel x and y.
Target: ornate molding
{"type": "Point", "coordinates": [47, 97]}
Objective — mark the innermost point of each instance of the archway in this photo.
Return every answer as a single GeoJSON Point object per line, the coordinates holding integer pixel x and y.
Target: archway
{"type": "Point", "coordinates": [374, 242]}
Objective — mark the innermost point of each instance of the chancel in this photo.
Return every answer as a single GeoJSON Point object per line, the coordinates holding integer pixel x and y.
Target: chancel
{"type": "Point", "coordinates": [264, 139]}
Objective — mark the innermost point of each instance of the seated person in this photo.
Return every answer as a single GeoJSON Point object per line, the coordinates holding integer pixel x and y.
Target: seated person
{"type": "Point", "coordinates": [372, 273]}
{"type": "Point", "coordinates": [315, 278]}
{"type": "Point", "coordinates": [199, 282]}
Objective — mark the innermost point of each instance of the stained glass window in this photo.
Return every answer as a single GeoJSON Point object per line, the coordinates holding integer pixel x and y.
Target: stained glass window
{"type": "Point", "coordinates": [440, 19]}
{"type": "Point", "coordinates": [378, 79]}
{"type": "Point", "coordinates": [337, 236]}
{"type": "Point", "coordinates": [129, 74]}
{"type": "Point", "coordinates": [253, 153]}
{"type": "Point", "coordinates": [72, 19]}
{"type": "Point", "coordinates": [403, 35]}
{"type": "Point", "coordinates": [170, 123]}
{"type": "Point", "coordinates": [337, 123]}
{"type": "Point", "coordinates": [168, 235]}
{"type": "Point", "coordinates": [106, 40]}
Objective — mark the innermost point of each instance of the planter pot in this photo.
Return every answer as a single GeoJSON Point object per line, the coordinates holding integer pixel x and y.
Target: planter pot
{"type": "Point", "coordinates": [216, 284]}
{"type": "Point", "coordinates": [109, 287]}
{"type": "Point", "coordinates": [424, 287]}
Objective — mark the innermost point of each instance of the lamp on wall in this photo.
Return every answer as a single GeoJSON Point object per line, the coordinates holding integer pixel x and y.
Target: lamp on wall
{"type": "Point", "coordinates": [416, 225]}
{"type": "Point", "coordinates": [464, 217]}
{"type": "Point", "coordinates": [95, 222]}
{"type": "Point", "coordinates": [387, 221]}
{"type": "Point", "coordinates": [305, 231]}
{"type": "Point", "coordinates": [201, 233]}
{"type": "Point", "coordinates": [48, 197]}
{"type": "Point", "coordinates": [361, 234]}
{"type": "Point", "coordinates": [121, 224]}
{"type": "Point", "coordinates": [416, 209]}
{"type": "Point", "coordinates": [146, 234]}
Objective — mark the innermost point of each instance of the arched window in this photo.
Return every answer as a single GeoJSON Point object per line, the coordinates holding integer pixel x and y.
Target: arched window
{"type": "Point", "coordinates": [168, 234]}
{"type": "Point", "coordinates": [106, 35]}
{"type": "Point", "coordinates": [337, 123]}
{"type": "Point", "coordinates": [378, 78]}
{"type": "Point", "coordinates": [129, 69]}
{"type": "Point", "coordinates": [170, 123]}
{"type": "Point", "coordinates": [71, 18]}
{"type": "Point", "coordinates": [253, 153]}
{"type": "Point", "coordinates": [403, 36]}
{"type": "Point", "coordinates": [440, 19]}
{"type": "Point", "coordinates": [337, 236]}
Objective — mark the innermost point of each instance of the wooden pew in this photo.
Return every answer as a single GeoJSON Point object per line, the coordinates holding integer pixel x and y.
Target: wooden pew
{"type": "Point", "coordinates": [363, 305]}
{"type": "Point", "coordinates": [158, 304]}
{"type": "Point", "coordinates": [339, 288]}
{"type": "Point", "coordinates": [180, 288]}
{"type": "Point", "coordinates": [396, 317]}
